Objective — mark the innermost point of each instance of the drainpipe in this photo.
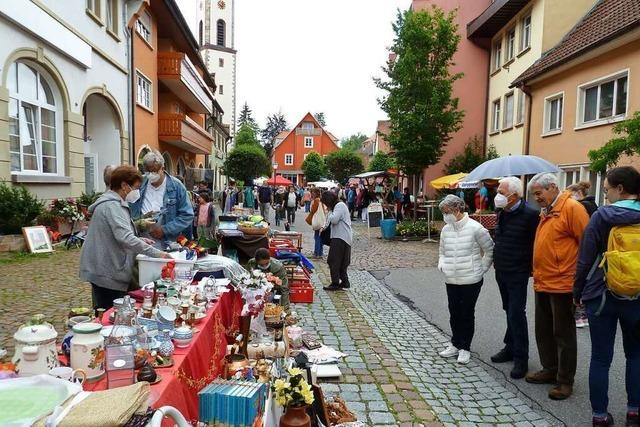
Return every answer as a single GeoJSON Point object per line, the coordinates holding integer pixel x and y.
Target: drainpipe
{"type": "Point", "coordinates": [131, 92]}
{"type": "Point", "coordinates": [485, 142]}
{"type": "Point", "coordinates": [527, 135]}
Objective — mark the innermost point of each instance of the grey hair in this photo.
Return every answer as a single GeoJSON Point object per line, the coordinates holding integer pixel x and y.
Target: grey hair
{"type": "Point", "coordinates": [514, 184]}
{"type": "Point", "coordinates": [545, 180]}
{"type": "Point", "coordinates": [153, 159]}
{"type": "Point", "coordinates": [452, 202]}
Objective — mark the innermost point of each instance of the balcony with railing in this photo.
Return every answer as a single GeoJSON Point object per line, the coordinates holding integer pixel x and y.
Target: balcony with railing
{"type": "Point", "coordinates": [177, 72]}
{"type": "Point", "coordinates": [180, 130]}
{"type": "Point", "coordinates": [309, 131]}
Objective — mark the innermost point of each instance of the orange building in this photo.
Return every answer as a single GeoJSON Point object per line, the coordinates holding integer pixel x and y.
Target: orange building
{"type": "Point", "coordinates": [172, 90]}
{"type": "Point", "coordinates": [292, 147]}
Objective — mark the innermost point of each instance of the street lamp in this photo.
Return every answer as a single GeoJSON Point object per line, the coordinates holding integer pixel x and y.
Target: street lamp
{"type": "Point", "coordinates": [275, 170]}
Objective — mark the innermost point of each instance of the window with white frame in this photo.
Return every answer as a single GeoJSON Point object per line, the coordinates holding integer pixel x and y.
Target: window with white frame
{"type": "Point", "coordinates": [525, 33]}
{"type": "Point", "coordinates": [288, 159]}
{"type": "Point", "coordinates": [510, 45]}
{"type": "Point", "coordinates": [143, 26]}
{"type": "Point", "coordinates": [495, 116]}
{"type": "Point", "coordinates": [496, 60]}
{"type": "Point", "coordinates": [144, 91]}
{"type": "Point", "coordinates": [553, 113]}
{"type": "Point", "coordinates": [508, 111]}
{"type": "Point", "coordinates": [93, 6]}
{"type": "Point", "coordinates": [35, 114]}
{"type": "Point", "coordinates": [308, 142]}
{"type": "Point", "coordinates": [112, 16]}
{"type": "Point", "coordinates": [521, 107]}
{"type": "Point", "coordinates": [604, 99]}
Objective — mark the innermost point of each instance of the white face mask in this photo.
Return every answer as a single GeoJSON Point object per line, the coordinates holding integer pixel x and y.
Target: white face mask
{"type": "Point", "coordinates": [449, 218]}
{"type": "Point", "coordinates": [500, 201]}
{"type": "Point", "coordinates": [133, 196]}
{"type": "Point", "coordinates": [153, 177]}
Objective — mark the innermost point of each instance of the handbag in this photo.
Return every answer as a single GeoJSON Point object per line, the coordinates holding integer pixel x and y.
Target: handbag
{"type": "Point", "coordinates": [325, 236]}
{"type": "Point", "coordinates": [319, 218]}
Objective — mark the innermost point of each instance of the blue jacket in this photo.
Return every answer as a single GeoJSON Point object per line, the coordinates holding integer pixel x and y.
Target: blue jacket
{"type": "Point", "coordinates": [594, 244]}
{"type": "Point", "coordinates": [177, 214]}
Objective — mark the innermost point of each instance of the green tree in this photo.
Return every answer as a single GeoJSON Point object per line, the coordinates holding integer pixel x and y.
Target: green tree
{"type": "Point", "coordinates": [321, 119]}
{"type": "Point", "coordinates": [276, 123]}
{"type": "Point", "coordinates": [313, 167]}
{"type": "Point", "coordinates": [353, 142]}
{"type": "Point", "coordinates": [627, 143]}
{"type": "Point", "coordinates": [246, 162]}
{"type": "Point", "coordinates": [471, 157]}
{"type": "Point", "coordinates": [342, 164]}
{"type": "Point", "coordinates": [246, 135]}
{"type": "Point", "coordinates": [419, 101]}
{"type": "Point", "coordinates": [246, 118]}
{"type": "Point", "coordinates": [381, 162]}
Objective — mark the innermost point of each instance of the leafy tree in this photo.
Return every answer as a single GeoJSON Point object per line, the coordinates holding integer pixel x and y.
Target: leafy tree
{"type": "Point", "coordinates": [354, 142]}
{"type": "Point", "coordinates": [627, 143]}
{"type": "Point", "coordinates": [342, 164]}
{"type": "Point", "coordinates": [381, 162]}
{"type": "Point", "coordinates": [321, 119]}
{"type": "Point", "coordinates": [471, 157]}
{"type": "Point", "coordinates": [246, 135]}
{"type": "Point", "coordinates": [246, 162]}
{"type": "Point", "coordinates": [276, 123]}
{"type": "Point", "coordinates": [246, 118]}
{"type": "Point", "coordinates": [313, 167]}
{"type": "Point", "coordinates": [419, 88]}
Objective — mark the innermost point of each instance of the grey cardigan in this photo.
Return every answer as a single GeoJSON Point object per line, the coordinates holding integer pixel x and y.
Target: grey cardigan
{"type": "Point", "coordinates": [340, 221]}
{"type": "Point", "coordinates": [109, 251]}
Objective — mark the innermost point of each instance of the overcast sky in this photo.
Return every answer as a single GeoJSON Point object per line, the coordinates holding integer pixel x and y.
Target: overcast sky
{"type": "Point", "coordinates": [302, 55]}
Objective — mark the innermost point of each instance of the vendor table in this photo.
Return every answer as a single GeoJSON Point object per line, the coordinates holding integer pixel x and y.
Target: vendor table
{"type": "Point", "coordinates": [197, 365]}
{"type": "Point", "coordinates": [245, 245]}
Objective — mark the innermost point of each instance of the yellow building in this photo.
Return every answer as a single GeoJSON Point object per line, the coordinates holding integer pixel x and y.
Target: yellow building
{"type": "Point", "coordinates": [517, 32]}
{"type": "Point", "coordinates": [582, 87]}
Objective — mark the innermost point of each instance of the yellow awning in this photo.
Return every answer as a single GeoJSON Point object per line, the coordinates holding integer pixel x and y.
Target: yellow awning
{"type": "Point", "coordinates": [448, 181]}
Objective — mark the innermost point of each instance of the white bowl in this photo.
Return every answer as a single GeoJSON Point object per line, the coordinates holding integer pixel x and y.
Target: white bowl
{"type": "Point", "coordinates": [166, 314]}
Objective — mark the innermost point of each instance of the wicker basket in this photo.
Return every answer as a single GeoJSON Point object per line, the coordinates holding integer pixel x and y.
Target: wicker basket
{"type": "Point", "coordinates": [256, 231]}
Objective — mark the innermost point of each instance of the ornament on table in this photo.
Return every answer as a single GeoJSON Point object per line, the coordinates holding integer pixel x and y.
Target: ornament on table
{"type": "Point", "coordinates": [193, 246]}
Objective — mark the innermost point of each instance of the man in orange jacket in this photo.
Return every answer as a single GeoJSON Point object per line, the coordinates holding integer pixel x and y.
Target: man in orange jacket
{"type": "Point", "coordinates": [555, 252]}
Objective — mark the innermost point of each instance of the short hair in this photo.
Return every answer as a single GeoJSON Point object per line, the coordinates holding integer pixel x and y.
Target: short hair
{"type": "Point", "coordinates": [262, 254]}
{"type": "Point", "coordinates": [452, 202]}
{"type": "Point", "coordinates": [626, 176]}
{"type": "Point", "coordinates": [514, 184]}
{"type": "Point", "coordinates": [125, 173]}
{"type": "Point", "coordinates": [581, 187]}
{"type": "Point", "coordinates": [204, 195]}
{"type": "Point", "coordinates": [544, 179]}
{"type": "Point", "coordinates": [106, 175]}
{"type": "Point", "coordinates": [152, 158]}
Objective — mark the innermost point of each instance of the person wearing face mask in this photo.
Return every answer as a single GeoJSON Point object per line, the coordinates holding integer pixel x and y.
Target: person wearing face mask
{"type": "Point", "coordinates": [512, 259]}
{"type": "Point", "coordinates": [263, 262]}
{"type": "Point", "coordinates": [466, 253]}
{"type": "Point", "coordinates": [605, 308]}
{"type": "Point", "coordinates": [110, 248]}
{"type": "Point", "coordinates": [163, 198]}
{"type": "Point", "coordinates": [555, 252]}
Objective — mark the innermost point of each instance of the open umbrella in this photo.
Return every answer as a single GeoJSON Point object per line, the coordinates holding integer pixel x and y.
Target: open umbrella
{"type": "Point", "coordinates": [511, 166]}
{"type": "Point", "coordinates": [447, 181]}
{"type": "Point", "coordinates": [279, 180]}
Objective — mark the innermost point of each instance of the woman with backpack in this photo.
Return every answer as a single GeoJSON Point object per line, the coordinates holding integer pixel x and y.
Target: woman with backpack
{"type": "Point", "coordinates": [611, 297]}
{"type": "Point", "coordinates": [316, 219]}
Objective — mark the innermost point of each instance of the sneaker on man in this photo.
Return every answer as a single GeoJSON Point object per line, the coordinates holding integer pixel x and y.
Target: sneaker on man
{"type": "Point", "coordinates": [463, 357]}
{"type": "Point", "coordinates": [450, 351]}
{"type": "Point", "coordinates": [585, 322]}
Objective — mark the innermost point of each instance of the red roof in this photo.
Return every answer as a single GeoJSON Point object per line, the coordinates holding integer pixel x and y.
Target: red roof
{"type": "Point", "coordinates": [607, 20]}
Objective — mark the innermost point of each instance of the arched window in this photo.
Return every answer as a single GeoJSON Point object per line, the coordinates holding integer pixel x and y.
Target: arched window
{"type": "Point", "coordinates": [221, 32]}
{"type": "Point", "coordinates": [35, 121]}
{"type": "Point", "coordinates": [181, 168]}
{"type": "Point", "coordinates": [200, 33]}
{"type": "Point", "coordinates": [168, 163]}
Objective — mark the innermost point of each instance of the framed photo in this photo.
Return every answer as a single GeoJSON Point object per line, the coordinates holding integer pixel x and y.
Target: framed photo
{"type": "Point", "coordinates": [37, 239]}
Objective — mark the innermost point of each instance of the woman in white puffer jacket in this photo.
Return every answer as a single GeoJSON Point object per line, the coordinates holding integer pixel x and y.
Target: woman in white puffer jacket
{"type": "Point", "coordinates": [466, 253]}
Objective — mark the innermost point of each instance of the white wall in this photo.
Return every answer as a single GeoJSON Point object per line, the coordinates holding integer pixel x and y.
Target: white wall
{"type": "Point", "coordinates": [104, 134]}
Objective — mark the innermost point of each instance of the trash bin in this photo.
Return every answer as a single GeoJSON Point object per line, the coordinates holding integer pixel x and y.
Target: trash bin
{"type": "Point", "coordinates": [388, 227]}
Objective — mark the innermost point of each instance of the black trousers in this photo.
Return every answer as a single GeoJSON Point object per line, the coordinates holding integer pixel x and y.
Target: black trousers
{"type": "Point", "coordinates": [291, 215]}
{"type": "Point", "coordinates": [462, 313]}
{"type": "Point", "coordinates": [103, 297]}
{"type": "Point", "coordinates": [339, 259]}
{"type": "Point", "coordinates": [513, 290]}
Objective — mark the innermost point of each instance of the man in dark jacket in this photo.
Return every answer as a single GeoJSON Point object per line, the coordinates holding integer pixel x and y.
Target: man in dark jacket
{"type": "Point", "coordinates": [513, 254]}
{"type": "Point", "coordinates": [265, 198]}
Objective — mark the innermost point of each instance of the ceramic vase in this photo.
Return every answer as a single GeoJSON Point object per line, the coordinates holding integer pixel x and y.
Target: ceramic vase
{"type": "Point", "coordinates": [295, 416]}
{"type": "Point", "coordinates": [166, 348]}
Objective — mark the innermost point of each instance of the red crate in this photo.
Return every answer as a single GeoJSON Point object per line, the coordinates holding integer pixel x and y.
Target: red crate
{"type": "Point", "coordinates": [302, 293]}
{"type": "Point", "coordinates": [281, 244]}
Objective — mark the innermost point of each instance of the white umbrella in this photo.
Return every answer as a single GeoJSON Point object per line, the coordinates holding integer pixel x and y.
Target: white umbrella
{"type": "Point", "coordinates": [510, 166]}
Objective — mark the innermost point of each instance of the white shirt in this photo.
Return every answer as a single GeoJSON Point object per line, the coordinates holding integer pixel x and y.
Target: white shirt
{"type": "Point", "coordinates": [291, 200]}
{"type": "Point", "coordinates": [154, 197]}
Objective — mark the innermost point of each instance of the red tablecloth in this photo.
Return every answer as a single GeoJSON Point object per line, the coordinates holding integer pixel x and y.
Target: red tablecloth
{"type": "Point", "coordinates": [197, 365]}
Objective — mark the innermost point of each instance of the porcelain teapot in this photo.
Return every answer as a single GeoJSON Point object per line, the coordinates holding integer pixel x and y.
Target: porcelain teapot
{"type": "Point", "coordinates": [35, 349]}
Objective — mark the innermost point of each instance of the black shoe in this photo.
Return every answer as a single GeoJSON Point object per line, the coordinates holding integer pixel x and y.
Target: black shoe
{"type": "Point", "coordinates": [332, 288]}
{"type": "Point", "coordinates": [603, 422]}
{"type": "Point", "coordinates": [519, 370]}
{"type": "Point", "coordinates": [633, 420]}
{"type": "Point", "coordinates": [502, 356]}
{"type": "Point", "coordinates": [343, 286]}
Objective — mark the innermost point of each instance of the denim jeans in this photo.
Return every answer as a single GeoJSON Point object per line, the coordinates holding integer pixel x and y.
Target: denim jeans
{"type": "Point", "coordinates": [462, 312]}
{"type": "Point", "coordinates": [307, 206]}
{"type": "Point", "coordinates": [602, 329]}
{"type": "Point", "coordinates": [317, 240]}
{"type": "Point", "coordinates": [513, 290]}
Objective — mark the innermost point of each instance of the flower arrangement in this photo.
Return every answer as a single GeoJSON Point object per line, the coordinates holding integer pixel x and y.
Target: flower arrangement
{"type": "Point", "coordinates": [253, 286]}
{"type": "Point", "coordinates": [66, 209]}
{"type": "Point", "coordinates": [419, 228]}
{"type": "Point", "coordinates": [293, 392]}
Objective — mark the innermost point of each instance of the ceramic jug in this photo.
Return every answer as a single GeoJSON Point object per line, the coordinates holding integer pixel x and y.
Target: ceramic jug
{"type": "Point", "coordinates": [87, 350]}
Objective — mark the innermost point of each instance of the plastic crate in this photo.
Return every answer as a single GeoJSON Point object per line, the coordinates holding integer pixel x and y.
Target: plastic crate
{"type": "Point", "coordinates": [301, 293]}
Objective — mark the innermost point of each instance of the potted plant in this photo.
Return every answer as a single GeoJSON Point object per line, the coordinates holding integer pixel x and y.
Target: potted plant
{"type": "Point", "coordinates": [67, 212]}
{"type": "Point", "coordinates": [18, 208]}
{"type": "Point", "coordinates": [293, 394]}
{"type": "Point", "coordinates": [85, 200]}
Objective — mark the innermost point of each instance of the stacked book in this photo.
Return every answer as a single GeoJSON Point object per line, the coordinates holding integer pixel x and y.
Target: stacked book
{"type": "Point", "coordinates": [232, 403]}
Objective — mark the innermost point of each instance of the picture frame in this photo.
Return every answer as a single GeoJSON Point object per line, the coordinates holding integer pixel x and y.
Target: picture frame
{"type": "Point", "coordinates": [37, 239]}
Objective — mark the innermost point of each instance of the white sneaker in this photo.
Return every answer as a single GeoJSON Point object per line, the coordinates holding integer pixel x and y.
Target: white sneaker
{"type": "Point", "coordinates": [450, 351]}
{"type": "Point", "coordinates": [579, 323]}
{"type": "Point", "coordinates": [463, 357]}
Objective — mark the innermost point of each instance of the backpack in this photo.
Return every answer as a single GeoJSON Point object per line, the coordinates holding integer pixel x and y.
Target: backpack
{"type": "Point", "coordinates": [621, 261]}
